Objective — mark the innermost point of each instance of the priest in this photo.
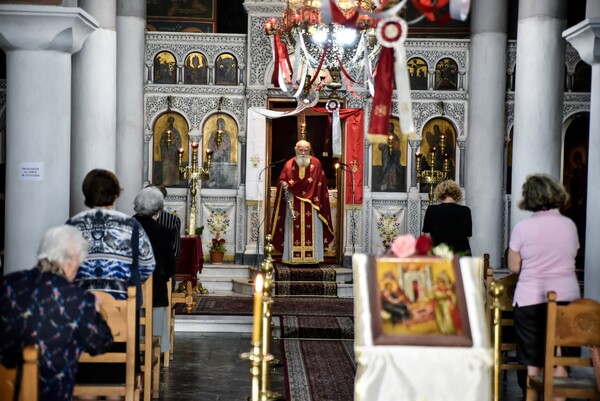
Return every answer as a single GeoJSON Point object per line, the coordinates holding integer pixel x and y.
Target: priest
{"type": "Point", "coordinates": [301, 224]}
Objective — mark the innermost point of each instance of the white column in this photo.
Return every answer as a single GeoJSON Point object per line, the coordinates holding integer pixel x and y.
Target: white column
{"type": "Point", "coordinates": [484, 160]}
{"type": "Point", "coordinates": [38, 41]}
{"type": "Point", "coordinates": [94, 100]}
{"type": "Point", "coordinates": [585, 37]}
{"type": "Point", "coordinates": [131, 31]}
{"type": "Point", "coordinates": [537, 134]}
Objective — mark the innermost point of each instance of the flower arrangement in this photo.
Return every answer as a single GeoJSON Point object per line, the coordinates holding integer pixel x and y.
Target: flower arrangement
{"type": "Point", "coordinates": [405, 246]}
{"type": "Point", "coordinates": [218, 245]}
{"type": "Point", "coordinates": [388, 227]}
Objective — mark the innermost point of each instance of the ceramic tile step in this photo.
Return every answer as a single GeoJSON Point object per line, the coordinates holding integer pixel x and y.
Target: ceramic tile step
{"type": "Point", "coordinates": [218, 324]}
{"type": "Point", "coordinates": [225, 270]}
{"type": "Point", "coordinates": [213, 324]}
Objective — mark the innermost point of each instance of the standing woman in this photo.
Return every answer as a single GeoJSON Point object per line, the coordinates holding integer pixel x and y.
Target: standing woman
{"type": "Point", "coordinates": [147, 204]}
{"type": "Point", "coordinates": [448, 222]}
{"type": "Point", "coordinates": [542, 251]}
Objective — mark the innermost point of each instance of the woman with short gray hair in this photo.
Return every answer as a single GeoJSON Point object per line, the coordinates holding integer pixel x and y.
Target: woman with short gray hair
{"type": "Point", "coordinates": [147, 204]}
{"type": "Point", "coordinates": [43, 307]}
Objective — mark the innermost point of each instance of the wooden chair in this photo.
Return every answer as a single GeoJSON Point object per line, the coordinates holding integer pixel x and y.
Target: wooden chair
{"type": "Point", "coordinates": [501, 323]}
{"type": "Point", "coordinates": [574, 325]}
{"type": "Point", "coordinates": [29, 386]}
{"type": "Point", "coordinates": [150, 350]}
{"type": "Point", "coordinates": [120, 316]}
{"type": "Point", "coordinates": [175, 298]}
{"type": "Point", "coordinates": [167, 355]}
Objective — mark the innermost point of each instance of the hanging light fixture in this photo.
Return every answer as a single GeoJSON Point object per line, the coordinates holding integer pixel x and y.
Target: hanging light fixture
{"type": "Point", "coordinates": [317, 39]}
{"type": "Point", "coordinates": [219, 138]}
{"type": "Point", "coordinates": [170, 120]}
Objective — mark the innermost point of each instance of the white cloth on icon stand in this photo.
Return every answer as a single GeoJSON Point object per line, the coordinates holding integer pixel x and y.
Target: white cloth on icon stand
{"type": "Point", "coordinates": [422, 373]}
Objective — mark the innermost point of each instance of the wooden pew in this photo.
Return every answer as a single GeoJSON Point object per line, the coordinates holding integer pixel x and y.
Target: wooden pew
{"type": "Point", "coordinates": [29, 388]}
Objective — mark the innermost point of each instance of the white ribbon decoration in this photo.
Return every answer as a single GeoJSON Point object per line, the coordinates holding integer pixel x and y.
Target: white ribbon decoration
{"type": "Point", "coordinates": [459, 9]}
{"type": "Point", "coordinates": [333, 106]}
{"type": "Point", "coordinates": [392, 33]}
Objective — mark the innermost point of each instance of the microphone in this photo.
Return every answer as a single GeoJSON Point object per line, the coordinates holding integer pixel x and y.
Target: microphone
{"type": "Point", "coordinates": [269, 166]}
{"type": "Point", "coordinates": [277, 162]}
{"type": "Point", "coordinates": [343, 164]}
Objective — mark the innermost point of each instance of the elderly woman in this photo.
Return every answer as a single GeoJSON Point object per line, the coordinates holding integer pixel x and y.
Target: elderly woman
{"type": "Point", "coordinates": [147, 204]}
{"type": "Point", "coordinates": [448, 222]}
{"type": "Point", "coordinates": [542, 251]}
{"type": "Point", "coordinates": [42, 306]}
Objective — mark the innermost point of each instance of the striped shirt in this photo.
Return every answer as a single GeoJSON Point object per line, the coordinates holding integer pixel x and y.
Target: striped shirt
{"type": "Point", "coordinates": [172, 222]}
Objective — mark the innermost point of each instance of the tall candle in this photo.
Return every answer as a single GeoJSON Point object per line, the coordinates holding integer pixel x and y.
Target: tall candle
{"type": "Point", "coordinates": [258, 309]}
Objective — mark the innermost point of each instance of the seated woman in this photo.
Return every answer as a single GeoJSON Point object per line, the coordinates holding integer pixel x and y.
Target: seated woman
{"type": "Point", "coordinates": [42, 306]}
{"type": "Point", "coordinates": [147, 204]}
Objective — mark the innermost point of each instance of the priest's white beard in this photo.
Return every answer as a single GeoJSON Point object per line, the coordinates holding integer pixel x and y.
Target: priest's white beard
{"type": "Point", "coordinates": [303, 160]}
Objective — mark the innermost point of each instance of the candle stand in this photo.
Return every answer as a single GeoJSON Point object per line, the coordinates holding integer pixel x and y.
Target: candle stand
{"type": "Point", "coordinates": [432, 176]}
{"type": "Point", "coordinates": [194, 174]}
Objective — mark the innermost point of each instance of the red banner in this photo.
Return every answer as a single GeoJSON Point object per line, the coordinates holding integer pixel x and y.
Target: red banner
{"type": "Point", "coordinates": [354, 156]}
{"type": "Point", "coordinates": [382, 101]}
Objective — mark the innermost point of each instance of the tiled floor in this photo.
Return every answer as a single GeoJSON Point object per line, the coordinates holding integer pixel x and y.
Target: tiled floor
{"type": "Point", "coordinates": [208, 367]}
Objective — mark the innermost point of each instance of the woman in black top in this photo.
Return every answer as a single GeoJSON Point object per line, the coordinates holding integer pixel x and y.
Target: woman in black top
{"type": "Point", "coordinates": [448, 222]}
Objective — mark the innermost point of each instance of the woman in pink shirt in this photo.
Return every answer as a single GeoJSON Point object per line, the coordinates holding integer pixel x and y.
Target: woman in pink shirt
{"type": "Point", "coordinates": [542, 251]}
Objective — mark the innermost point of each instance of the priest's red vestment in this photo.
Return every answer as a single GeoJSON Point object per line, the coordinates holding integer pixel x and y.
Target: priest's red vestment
{"type": "Point", "coordinates": [308, 185]}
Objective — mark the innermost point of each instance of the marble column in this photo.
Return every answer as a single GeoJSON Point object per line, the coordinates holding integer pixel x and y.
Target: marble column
{"type": "Point", "coordinates": [39, 42]}
{"type": "Point", "coordinates": [540, 70]}
{"type": "Point", "coordinates": [585, 37]}
{"type": "Point", "coordinates": [94, 107]}
{"type": "Point", "coordinates": [131, 31]}
{"type": "Point", "coordinates": [484, 160]}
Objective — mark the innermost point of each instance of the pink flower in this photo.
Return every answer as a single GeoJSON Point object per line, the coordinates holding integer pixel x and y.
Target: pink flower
{"type": "Point", "coordinates": [424, 245]}
{"type": "Point", "coordinates": [404, 246]}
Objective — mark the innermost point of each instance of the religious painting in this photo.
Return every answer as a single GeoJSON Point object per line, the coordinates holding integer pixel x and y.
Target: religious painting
{"type": "Point", "coordinates": [389, 161]}
{"type": "Point", "coordinates": [582, 79]}
{"type": "Point", "coordinates": [165, 68]}
{"type": "Point", "coordinates": [438, 132]}
{"type": "Point", "coordinates": [181, 15]}
{"type": "Point", "coordinates": [417, 71]}
{"type": "Point", "coordinates": [226, 70]}
{"type": "Point", "coordinates": [170, 134]}
{"type": "Point", "coordinates": [418, 301]}
{"type": "Point", "coordinates": [195, 69]}
{"type": "Point", "coordinates": [446, 75]}
{"type": "Point", "coordinates": [575, 173]}
{"type": "Point", "coordinates": [220, 134]}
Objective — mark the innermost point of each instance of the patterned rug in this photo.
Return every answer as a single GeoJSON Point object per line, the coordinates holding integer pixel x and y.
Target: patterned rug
{"type": "Point", "coordinates": [319, 370]}
{"type": "Point", "coordinates": [292, 273]}
{"type": "Point", "coordinates": [287, 288]}
{"type": "Point", "coordinates": [305, 280]}
{"type": "Point", "coordinates": [315, 306]}
{"type": "Point", "coordinates": [319, 327]}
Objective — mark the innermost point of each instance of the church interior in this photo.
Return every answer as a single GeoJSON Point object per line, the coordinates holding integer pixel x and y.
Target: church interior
{"type": "Point", "coordinates": [209, 99]}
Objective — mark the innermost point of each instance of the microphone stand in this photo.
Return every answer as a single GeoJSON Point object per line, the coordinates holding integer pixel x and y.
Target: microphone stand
{"type": "Point", "coordinates": [344, 166]}
{"type": "Point", "coordinates": [256, 268]}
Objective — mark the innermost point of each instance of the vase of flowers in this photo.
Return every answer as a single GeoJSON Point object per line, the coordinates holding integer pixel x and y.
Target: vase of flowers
{"type": "Point", "coordinates": [217, 250]}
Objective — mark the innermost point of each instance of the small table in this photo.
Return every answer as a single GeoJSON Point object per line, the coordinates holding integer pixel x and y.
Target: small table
{"type": "Point", "coordinates": [190, 262]}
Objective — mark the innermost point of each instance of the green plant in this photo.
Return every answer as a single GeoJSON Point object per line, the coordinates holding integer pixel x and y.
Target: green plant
{"type": "Point", "coordinates": [218, 245]}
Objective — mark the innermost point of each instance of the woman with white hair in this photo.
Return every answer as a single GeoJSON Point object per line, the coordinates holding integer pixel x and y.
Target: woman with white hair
{"type": "Point", "coordinates": [147, 204]}
{"type": "Point", "coordinates": [43, 307]}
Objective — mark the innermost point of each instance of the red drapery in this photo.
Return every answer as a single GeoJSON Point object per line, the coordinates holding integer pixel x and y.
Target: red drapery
{"type": "Point", "coordinates": [355, 152]}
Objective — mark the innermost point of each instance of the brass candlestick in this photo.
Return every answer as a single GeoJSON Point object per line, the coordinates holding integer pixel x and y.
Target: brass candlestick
{"type": "Point", "coordinates": [496, 291]}
{"type": "Point", "coordinates": [193, 174]}
{"type": "Point", "coordinates": [267, 326]}
{"type": "Point", "coordinates": [432, 176]}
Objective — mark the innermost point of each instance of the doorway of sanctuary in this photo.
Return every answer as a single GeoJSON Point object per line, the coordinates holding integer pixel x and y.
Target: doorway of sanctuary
{"type": "Point", "coordinates": [282, 135]}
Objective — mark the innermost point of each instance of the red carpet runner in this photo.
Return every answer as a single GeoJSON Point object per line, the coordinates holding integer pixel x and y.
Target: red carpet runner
{"type": "Point", "coordinates": [314, 281]}
{"type": "Point", "coordinates": [319, 370]}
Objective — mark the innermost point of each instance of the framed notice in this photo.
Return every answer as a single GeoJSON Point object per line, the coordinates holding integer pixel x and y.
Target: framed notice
{"type": "Point", "coordinates": [418, 301]}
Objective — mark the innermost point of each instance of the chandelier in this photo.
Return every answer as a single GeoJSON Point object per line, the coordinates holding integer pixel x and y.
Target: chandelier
{"type": "Point", "coordinates": [320, 43]}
